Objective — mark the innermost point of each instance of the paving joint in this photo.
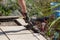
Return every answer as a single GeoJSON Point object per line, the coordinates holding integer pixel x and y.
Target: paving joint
{"type": "Point", "coordinates": [5, 34]}
{"type": "Point", "coordinates": [34, 35]}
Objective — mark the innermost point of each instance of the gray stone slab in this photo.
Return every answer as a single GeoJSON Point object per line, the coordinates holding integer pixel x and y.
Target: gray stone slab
{"type": "Point", "coordinates": [9, 17]}
{"type": "Point", "coordinates": [22, 37]}
{"type": "Point", "coordinates": [2, 36]}
{"type": "Point", "coordinates": [16, 33]}
{"type": "Point", "coordinates": [22, 22]}
{"type": "Point", "coordinates": [40, 36]}
{"type": "Point", "coordinates": [10, 23]}
{"type": "Point", "coordinates": [15, 30]}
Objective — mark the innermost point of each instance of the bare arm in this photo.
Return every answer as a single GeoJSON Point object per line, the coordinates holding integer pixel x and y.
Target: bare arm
{"type": "Point", "coordinates": [23, 9]}
{"type": "Point", "coordinates": [22, 5]}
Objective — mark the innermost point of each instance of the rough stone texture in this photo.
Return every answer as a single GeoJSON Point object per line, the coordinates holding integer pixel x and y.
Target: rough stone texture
{"type": "Point", "coordinates": [11, 23]}
{"type": "Point", "coordinates": [18, 33]}
{"type": "Point", "coordinates": [2, 36]}
{"type": "Point", "coordinates": [22, 22]}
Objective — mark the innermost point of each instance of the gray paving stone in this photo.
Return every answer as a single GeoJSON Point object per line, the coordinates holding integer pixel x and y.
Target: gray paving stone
{"type": "Point", "coordinates": [17, 33]}
{"type": "Point", "coordinates": [14, 29]}
{"type": "Point", "coordinates": [40, 36]}
{"type": "Point", "coordinates": [2, 36]}
{"type": "Point", "coordinates": [21, 21]}
{"type": "Point", "coordinates": [22, 37]}
{"type": "Point", "coordinates": [14, 33]}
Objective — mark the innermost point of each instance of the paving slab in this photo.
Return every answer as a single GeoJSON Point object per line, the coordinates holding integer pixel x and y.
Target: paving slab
{"type": "Point", "coordinates": [9, 17]}
{"type": "Point", "coordinates": [10, 23]}
{"type": "Point", "coordinates": [22, 37]}
{"type": "Point", "coordinates": [2, 36]}
{"type": "Point", "coordinates": [22, 22]}
{"type": "Point", "coordinates": [39, 36]}
{"type": "Point", "coordinates": [17, 33]}
{"type": "Point", "coordinates": [14, 29]}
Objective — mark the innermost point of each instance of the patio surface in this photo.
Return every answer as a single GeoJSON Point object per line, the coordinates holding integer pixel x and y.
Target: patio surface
{"type": "Point", "coordinates": [18, 33]}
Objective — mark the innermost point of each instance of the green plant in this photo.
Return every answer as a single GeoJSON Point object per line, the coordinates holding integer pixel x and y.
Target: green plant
{"type": "Point", "coordinates": [42, 8]}
{"type": "Point", "coordinates": [8, 8]}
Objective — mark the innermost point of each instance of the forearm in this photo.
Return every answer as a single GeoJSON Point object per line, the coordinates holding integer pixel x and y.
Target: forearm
{"type": "Point", "coordinates": [22, 5]}
{"type": "Point", "coordinates": [23, 9]}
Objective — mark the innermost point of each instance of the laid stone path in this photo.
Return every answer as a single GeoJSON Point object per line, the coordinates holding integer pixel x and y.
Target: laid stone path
{"type": "Point", "coordinates": [18, 33]}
